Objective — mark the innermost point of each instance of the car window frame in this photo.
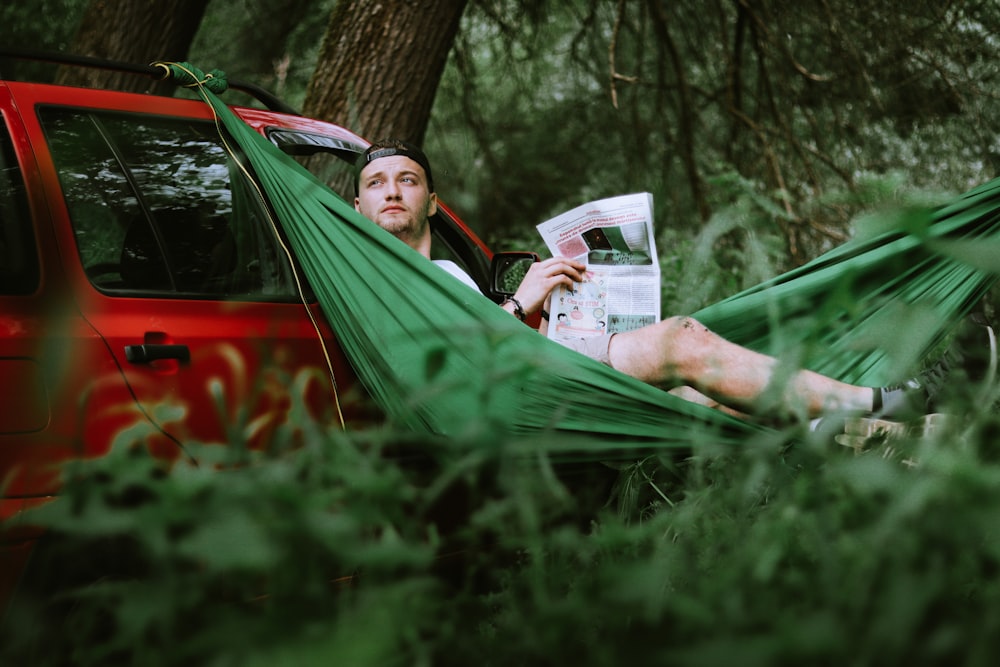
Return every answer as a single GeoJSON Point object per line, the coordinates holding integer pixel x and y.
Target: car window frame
{"type": "Point", "coordinates": [18, 237]}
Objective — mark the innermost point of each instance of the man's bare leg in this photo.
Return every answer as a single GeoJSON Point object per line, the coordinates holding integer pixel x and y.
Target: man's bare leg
{"type": "Point", "coordinates": [682, 351]}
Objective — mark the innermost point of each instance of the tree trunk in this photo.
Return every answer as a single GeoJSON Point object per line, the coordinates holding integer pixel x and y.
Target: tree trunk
{"type": "Point", "coordinates": [134, 32]}
{"type": "Point", "coordinates": [380, 65]}
{"type": "Point", "coordinates": [263, 41]}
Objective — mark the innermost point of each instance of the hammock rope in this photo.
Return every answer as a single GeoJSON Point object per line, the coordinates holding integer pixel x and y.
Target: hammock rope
{"type": "Point", "coordinates": [217, 83]}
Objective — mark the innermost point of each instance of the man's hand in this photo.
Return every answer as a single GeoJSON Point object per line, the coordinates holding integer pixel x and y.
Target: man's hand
{"type": "Point", "coordinates": [543, 277]}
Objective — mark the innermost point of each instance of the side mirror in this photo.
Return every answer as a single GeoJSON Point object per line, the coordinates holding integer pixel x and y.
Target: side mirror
{"type": "Point", "coordinates": [507, 270]}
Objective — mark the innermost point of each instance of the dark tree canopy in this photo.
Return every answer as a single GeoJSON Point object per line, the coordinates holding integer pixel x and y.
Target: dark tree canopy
{"type": "Point", "coordinates": [767, 121]}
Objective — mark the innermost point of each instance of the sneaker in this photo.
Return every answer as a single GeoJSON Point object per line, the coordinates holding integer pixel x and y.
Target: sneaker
{"type": "Point", "coordinates": [915, 396]}
{"type": "Point", "coordinates": [973, 351]}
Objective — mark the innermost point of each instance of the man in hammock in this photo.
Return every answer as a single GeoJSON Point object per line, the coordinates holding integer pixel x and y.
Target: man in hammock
{"type": "Point", "coordinates": [395, 189]}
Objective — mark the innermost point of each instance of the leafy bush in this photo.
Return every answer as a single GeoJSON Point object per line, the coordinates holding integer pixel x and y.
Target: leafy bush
{"type": "Point", "coordinates": [381, 548]}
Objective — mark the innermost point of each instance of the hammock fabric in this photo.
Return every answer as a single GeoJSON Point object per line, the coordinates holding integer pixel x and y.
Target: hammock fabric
{"type": "Point", "coordinates": [440, 358]}
{"type": "Point", "coordinates": [873, 307]}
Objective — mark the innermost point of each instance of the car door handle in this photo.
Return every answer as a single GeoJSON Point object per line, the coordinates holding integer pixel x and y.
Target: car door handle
{"type": "Point", "coordinates": [146, 353]}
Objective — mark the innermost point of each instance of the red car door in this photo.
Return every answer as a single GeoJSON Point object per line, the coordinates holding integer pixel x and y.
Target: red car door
{"type": "Point", "coordinates": [172, 260]}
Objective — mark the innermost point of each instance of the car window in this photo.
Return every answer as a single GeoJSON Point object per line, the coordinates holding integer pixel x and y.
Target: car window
{"type": "Point", "coordinates": [159, 207]}
{"type": "Point", "coordinates": [18, 255]}
{"type": "Point", "coordinates": [330, 159]}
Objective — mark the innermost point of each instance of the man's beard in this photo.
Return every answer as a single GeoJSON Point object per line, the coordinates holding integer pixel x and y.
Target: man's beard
{"type": "Point", "coordinates": [405, 229]}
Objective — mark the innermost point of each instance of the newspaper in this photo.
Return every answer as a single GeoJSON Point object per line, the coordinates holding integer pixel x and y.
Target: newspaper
{"type": "Point", "coordinates": [614, 238]}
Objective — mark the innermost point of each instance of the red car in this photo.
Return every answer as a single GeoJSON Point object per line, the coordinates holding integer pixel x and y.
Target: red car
{"type": "Point", "coordinates": [138, 293]}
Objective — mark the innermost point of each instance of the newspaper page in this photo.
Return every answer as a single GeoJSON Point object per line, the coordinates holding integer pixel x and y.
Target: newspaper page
{"type": "Point", "coordinates": [614, 238]}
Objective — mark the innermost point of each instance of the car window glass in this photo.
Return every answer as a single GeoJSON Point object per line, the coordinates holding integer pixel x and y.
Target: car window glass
{"type": "Point", "coordinates": [18, 256]}
{"type": "Point", "coordinates": [330, 159]}
{"type": "Point", "coordinates": [158, 206]}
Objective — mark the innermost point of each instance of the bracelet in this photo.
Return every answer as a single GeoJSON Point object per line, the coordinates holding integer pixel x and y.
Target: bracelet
{"type": "Point", "coordinates": [518, 308]}
{"type": "Point", "coordinates": [545, 315]}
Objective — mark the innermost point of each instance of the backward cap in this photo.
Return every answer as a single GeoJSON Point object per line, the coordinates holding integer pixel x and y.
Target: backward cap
{"type": "Point", "coordinates": [388, 148]}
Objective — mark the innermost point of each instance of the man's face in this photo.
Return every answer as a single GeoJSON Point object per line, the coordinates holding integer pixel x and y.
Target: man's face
{"type": "Point", "coordinates": [393, 192]}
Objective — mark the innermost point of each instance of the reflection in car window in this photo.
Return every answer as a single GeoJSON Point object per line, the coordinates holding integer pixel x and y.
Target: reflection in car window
{"type": "Point", "coordinates": [330, 159]}
{"type": "Point", "coordinates": [157, 206]}
{"type": "Point", "coordinates": [18, 256]}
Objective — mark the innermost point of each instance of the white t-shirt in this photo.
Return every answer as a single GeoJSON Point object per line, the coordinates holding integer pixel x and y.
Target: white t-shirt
{"type": "Point", "coordinates": [455, 270]}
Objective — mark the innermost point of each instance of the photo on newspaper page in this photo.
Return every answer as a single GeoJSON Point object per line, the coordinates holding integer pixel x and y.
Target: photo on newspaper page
{"type": "Point", "coordinates": [614, 238]}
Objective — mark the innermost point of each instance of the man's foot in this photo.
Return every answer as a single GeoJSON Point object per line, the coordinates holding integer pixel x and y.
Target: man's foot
{"type": "Point", "coordinates": [973, 352]}
{"type": "Point", "coordinates": [915, 396]}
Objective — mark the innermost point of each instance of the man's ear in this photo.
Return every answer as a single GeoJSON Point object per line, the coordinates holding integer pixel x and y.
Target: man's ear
{"type": "Point", "coordinates": [357, 204]}
{"type": "Point", "coordinates": [432, 206]}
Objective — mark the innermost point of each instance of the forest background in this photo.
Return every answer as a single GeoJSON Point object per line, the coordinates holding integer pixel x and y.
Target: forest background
{"type": "Point", "coordinates": [767, 131]}
{"type": "Point", "coordinates": [763, 128]}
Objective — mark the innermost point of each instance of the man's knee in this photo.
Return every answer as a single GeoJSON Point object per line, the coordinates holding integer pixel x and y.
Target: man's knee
{"type": "Point", "coordinates": [684, 323]}
{"type": "Point", "coordinates": [680, 331]}
{"type": "Point", "coordinates": [682, 343]}
{"type": "Point", "coordinates": [654, 352]}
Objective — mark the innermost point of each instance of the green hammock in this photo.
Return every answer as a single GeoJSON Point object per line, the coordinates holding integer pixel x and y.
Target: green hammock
{"type": "Point", "coordinates": [873, 306]}
{"type": "Point", "coordinates": [440, 358]}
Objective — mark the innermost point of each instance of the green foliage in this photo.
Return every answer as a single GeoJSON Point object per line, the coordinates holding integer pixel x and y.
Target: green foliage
{"type": "Point", "coordinates": [801, 102]}
{"type": "Point", "coordinates": [220, 561]}
{"type": "Point", "coordinates": [737, 248]}
{"type": "Point", "coordinates": [43, 22]}
{"type": "Point", "coordinates": [48, 24]}
{"type": "Point", "coordinates": [383, 548]}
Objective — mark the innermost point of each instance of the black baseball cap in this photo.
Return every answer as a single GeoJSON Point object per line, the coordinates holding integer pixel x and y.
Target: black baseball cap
{"type": "Point", "coordinates": [390, 147]}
